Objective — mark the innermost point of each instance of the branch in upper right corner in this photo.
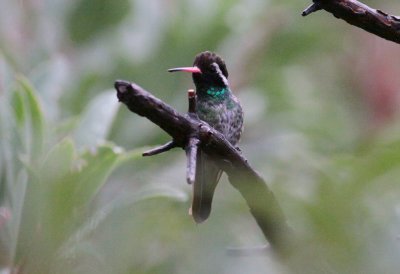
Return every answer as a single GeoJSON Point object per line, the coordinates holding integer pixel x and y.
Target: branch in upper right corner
{"type": "Point", "coordinates": [360, 15]}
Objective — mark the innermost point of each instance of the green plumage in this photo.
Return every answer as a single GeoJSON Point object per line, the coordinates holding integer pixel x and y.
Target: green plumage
{"type": "Point", "coordinates": [217, 106]}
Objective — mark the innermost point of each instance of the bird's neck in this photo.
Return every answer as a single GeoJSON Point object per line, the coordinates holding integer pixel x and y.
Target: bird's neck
{"type": "Point", "coordinates": [213, 92]}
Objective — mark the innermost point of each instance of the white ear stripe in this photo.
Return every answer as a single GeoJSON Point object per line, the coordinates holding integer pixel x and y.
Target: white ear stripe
{"type": "Point", "coordinates": [220, 74]}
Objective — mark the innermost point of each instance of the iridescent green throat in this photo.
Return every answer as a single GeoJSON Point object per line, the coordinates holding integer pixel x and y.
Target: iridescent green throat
{"type": "Point", "coordinates": [217, 92]}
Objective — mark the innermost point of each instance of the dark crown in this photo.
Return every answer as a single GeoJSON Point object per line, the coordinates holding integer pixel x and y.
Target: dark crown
{"type": "Point", "coordinates": [213, 71]}
{"type": "Point", "coordinates": [205, 60]}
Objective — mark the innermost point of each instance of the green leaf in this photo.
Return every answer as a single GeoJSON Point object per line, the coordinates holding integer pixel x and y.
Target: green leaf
{"type": "Point", "coordinates": [74, 243]}
{"type": "Point", "coordinates": [59, 162]}
{"type": "Point", "coordinates": [50, 79]}
{"type": "Point", "coordinates": [48, 202]}
{"type": "Point", "coordinates": [18, 194]}
{"type": "Point", "coordinates": [19, 108]}
{"type": "Point", "coordinates": [30, 118]}
{"type": "Point", "coordinates": [96, 120]}
{"type": "Point", "coordinates": [97, 165]}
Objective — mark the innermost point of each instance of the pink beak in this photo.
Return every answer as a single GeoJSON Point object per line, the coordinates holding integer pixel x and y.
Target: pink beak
{"type": "Point", "coordinates": [187, 69]}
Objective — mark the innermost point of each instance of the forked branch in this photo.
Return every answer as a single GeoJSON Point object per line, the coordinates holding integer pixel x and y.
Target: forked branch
{"type": "Point", "coordinates": [188, 132]}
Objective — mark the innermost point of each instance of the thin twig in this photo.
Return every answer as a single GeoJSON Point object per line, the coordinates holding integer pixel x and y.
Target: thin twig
{"type": "Point", "coordinates": [166, 147]}
{"type": "Point", "coordinates": [192, 98]}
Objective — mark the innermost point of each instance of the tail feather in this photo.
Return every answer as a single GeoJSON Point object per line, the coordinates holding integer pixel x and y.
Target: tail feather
{"type": "Point", "coordinates": [207, 177]}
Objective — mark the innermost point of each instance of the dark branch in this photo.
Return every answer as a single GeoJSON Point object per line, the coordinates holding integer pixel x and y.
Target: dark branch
{"type": "Point", "coordinates": [166, 147]}
{"type": "Point", "coordinates": [310, 9]}
{"type": "Point", "coordinates": [183, 128]}
{"type": "Point", "coordinates": [360, 15]}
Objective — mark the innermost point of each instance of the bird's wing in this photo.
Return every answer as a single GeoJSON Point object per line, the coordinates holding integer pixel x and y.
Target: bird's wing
{"type": "Point", "coordinates": [207, 177]}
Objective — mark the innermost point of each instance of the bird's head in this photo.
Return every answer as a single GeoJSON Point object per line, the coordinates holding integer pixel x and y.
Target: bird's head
{"type": "Point", "coordinates": [208, 71]}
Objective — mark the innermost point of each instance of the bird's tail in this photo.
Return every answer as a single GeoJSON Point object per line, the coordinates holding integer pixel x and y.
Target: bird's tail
{"type": "Point", "coordinates": [207, 177]}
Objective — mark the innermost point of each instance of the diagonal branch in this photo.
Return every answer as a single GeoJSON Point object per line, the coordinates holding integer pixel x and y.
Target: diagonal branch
{"type": "Point", "coordinates": [182, 128]}
{"type": "Point", "coordinates": [362, 16]}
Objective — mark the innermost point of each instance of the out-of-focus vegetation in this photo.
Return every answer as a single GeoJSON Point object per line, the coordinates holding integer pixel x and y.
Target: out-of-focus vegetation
{"type": "Point", "coordinates": [321, 100]}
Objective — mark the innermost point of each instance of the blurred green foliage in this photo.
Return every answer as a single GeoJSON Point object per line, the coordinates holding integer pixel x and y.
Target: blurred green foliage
{"type": "Point", "coordinates": [90, 18]}
{"type": "Point", "coordinates": [321, 125]}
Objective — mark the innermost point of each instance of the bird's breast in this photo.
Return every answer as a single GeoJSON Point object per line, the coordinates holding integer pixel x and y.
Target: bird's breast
{"type": "Point", "coordinates": [225, 116]}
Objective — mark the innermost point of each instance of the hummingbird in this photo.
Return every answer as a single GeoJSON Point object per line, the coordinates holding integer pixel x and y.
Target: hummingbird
{"type": "Point", "coordinates": [217, 106]}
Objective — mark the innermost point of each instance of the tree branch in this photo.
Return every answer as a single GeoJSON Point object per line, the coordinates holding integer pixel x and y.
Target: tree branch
{"type": "Point", "coordinates": [183, 128]}
{"type": "Point", "coordinates": [310, 9]}
{"type": "Point", "coordinates": [360, 15]}
{"type": "Point", "coordinates": [164, 148]}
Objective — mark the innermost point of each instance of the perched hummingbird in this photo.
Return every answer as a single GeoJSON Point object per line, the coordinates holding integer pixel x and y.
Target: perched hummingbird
{"type": "Point", "coordinates": [217, 106]}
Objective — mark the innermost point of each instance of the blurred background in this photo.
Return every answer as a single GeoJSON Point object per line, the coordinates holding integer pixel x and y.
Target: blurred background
{"type": "Point", "coordinates": [321, 102]}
